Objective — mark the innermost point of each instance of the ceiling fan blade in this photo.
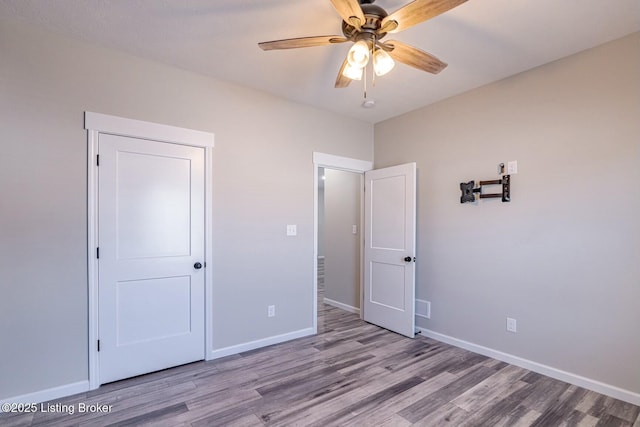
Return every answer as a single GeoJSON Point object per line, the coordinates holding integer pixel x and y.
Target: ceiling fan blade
{"type": "Point", "coordinates": [413, 56]}
{"type": "Point", "coordinates": [301, 42]}
{"type": "Point", "coordinates": [416, 12]}
{"type": "Point", "coordinates": [348, 10]}
{"type": "Point", "coordinates": [342, 81]}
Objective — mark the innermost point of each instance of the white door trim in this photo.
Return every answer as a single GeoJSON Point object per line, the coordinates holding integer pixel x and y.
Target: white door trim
{"type": "Point", "coordinates": [95, 124]}
{"type": "Point", "coordinates": [322, 160]}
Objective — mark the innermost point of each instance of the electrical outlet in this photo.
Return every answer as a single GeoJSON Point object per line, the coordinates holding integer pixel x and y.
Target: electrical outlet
{"type": "Point", "coordinates": [512, 167]}
{"type": "Point", "coordinates": [292, 230]}
{"type": "Point", "coordinates": [271, 311]}
{"type": "Point", "coordinates": [511, 325]}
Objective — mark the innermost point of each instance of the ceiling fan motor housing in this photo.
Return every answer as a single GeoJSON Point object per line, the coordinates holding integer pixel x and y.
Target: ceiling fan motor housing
{"type": "Point", "coordinates": [369, 30]}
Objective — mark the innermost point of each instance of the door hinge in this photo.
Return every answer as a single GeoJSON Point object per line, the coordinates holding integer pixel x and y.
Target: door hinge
{"type": "Point", "coordinates": [98, 252]}
{"type": "Point", "coordinates": [98, 160]}
{"type": "Point", "coordinates": [98, 345]}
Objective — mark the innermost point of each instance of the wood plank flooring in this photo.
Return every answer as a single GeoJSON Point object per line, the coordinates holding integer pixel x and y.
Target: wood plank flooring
{"type": "Point", "coordinates": [350, 374]}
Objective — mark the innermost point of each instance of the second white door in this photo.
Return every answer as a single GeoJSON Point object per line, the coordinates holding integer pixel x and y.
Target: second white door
{"type": "Point", "coordinates": [389, 263]}
{"type": "Point", "coordinates": [151, 256]}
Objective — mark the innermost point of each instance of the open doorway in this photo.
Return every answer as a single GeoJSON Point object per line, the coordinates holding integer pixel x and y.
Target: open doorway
{"type": "Point", "coordinates": [339, 238]}
{"type": "Point", "coordinates": [355, 169]}
{"type": "Point", "coordinates": [387, 263]}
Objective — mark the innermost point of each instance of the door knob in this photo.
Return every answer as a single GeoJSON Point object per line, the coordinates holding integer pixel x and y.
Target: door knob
{"type": "Point", "coordinates": [197, 266]}
{"type": "Point", "coordinates": [407, 259]}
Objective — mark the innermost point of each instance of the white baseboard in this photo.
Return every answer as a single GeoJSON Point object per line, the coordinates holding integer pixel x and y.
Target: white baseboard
{"type": "Point", "coordinates": [341, 306]}
{"type": "Point", "coordinates": [588, 383]}
{"type": "Point", "coordinates": [277, 339]}
{"type": "Point", "coordinates": [49, 394]}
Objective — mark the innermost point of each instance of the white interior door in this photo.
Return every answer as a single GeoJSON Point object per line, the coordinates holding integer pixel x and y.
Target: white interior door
{"type": "Point", "coordinates": [151, 237]}
{"type": "Point", "coordinates": [389, 263]}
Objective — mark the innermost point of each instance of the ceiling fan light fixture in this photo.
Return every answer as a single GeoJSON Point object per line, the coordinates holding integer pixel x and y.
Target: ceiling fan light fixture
{"type": "Point", "coordinates": [353, 73]}
{"type": "Point", "coordinates": [358, 55]}
{"type": "Point", "coordinates": [382, 62]}
{"type": "Point", "coordinates": [366, 24]}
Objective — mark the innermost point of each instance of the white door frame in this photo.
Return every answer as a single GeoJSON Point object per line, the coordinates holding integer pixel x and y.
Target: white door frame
{"type": "Point", "coordinates": [95, 124]}
{"type": "Point", "coordinates": [321, 160]}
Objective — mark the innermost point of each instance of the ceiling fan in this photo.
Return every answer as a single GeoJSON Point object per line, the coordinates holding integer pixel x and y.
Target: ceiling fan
{"type": "Point", "coordinates": [366, 24]}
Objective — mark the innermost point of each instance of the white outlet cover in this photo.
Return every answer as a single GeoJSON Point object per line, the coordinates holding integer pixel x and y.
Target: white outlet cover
{"type": "Point", "coordinates": [292, 230]}
{"type": "Point", "coordinates": [511, 325]}
{"type": "Point", "coordinates": [512, 167]}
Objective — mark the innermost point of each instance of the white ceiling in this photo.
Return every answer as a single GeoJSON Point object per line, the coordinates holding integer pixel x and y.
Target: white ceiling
{"type": "Point", "coordinates": [481, 40]}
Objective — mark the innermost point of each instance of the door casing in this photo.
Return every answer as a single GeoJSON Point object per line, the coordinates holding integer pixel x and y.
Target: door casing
{"type": "Point", "coordinates": [95, 124]}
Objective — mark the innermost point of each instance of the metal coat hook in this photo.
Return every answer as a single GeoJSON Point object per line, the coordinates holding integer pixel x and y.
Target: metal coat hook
{"type": "Point", "coordinates": [469, 190]}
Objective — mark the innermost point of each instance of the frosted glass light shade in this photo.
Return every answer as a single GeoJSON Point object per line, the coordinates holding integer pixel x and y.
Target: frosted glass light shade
{"type": "Point", "coordinates": [354, 73]}
{"type": "Point", "coordinates": [358, 55]}
{"type": "Point", "coordinates": [382, 62]}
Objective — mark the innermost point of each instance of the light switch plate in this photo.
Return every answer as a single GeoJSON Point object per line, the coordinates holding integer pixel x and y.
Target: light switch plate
{"type": "Point", "coordinates": [512, 167]}
{"type": "Point", "coordinates": [292, 230]}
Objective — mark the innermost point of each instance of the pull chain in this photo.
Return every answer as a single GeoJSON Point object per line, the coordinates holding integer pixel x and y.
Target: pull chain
{"type": "Point", "coordinates": [373, 77]}
{"type": "Point", "coordinates": [365, 82]}
{"type": "Point", "coordinates": [373, 71]}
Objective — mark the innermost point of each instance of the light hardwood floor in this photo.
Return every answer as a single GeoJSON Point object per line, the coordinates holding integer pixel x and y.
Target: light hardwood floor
{"type": "Point", "coordinates": [350, 374]}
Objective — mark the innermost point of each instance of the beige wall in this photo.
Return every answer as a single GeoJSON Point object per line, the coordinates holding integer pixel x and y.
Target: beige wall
{"type": "Point", "coordinates": [263, 180]}
{"type": "Point", "coordinates": [342, 247]}
{"type": "Point", "coordinates": [563, 257]}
